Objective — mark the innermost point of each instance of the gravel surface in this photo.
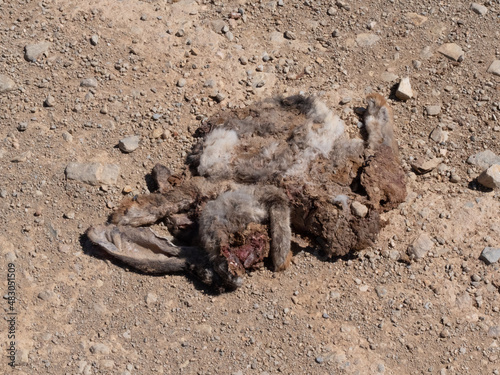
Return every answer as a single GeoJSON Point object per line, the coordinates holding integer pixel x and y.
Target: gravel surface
{"type": "Point", "coordinates": [76, 78]}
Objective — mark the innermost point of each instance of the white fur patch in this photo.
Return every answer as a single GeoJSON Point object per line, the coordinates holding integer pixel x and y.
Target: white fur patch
{"type": "Point", "coordinates": [218, 151]}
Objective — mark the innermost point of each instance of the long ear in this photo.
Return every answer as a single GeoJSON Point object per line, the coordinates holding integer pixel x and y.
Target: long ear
{"type": "Point", "coordinates": [384, 115]}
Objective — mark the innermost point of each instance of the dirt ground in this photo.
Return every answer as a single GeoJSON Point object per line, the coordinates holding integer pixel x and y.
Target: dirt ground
{"type": "Point", "coordinates": [156, 69]}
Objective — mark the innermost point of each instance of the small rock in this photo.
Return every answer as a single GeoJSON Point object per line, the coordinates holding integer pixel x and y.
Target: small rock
{"type": "Point", "coordinates": [416, 19]}
{"type": "Point", "coordinates": [94, 39]}
{"type": "Point", "coordinates": [93, 173]}
{"type": "Point", "coordinates": [157, 133]}
{"type": "Point", "coordinates": [490, 255]}
{"type": "Point", "coordinates": [452, 51]}
{"type": "Point", "coordinates": [359, 209]}
{"type": "Point", "coordinates": [494, 68]}
{"type": "Point", "coordinates": [243, 60]}
{"type": "Point", "coordinates": [367, 39]}
{"type": "Point", "coordinates": [219, 97]}
{"type": "Point", "coordinates": [50, 101]}
{"type": "Point", "coordinates": [490, 177]}
{"type": "Point", "coordinates": [69, 215]}
{"type": "Point", "coordinates": [417, 64]}
{"type": "Point", "coordinates": [127, 189]}
{"type": "Point", "coordinates": [229, 36]}
{"type": "Point", "coordinates": [100, 349]}
{"type": "Point", "coordinates": [455, 178]}
{"type": "Point", "coordinates": [129, 144]}
{"type": "Point", "coordinates": [289, 35]}
{"type": "Point", "coordinates": [6, 84]}
{"type": "Point", "coordinates": [319, 359]}
{"type": "Point", "coordinates": [181, 82]}
{"type": "Point", "coordinates": [88, 82]}
{"type": "Point", "coordinates": [427, 166]}
{"type": "Point", "coordinates": [22, 126]}
{"type": "Point", "coordinates": [404, 91]}
{"type": "Point", "coordinates": [484, 159]}
{"type": "Point", "coordinates": [433, 110]}
{"type": "Point", "coordinates": [438, 135]}
{"type": "Point", "coordinates": [33, 51]}
{"type": "Point", "coordinates": [388, 77]}
{"type": "Point", "coordinates": [47, 295]}
{"type": "Point", "coordinates": [381, 291]}
{"type": "Point", "coordinates": [479, 9]}
{"type": "Point", "coordinates": [420, 246]}
{"type": "Point", "coordinates": [151, 298]}
{"type": "Point", "coordinates": [67, 137]}
{"type": "Point", "coordinates": [345, 100]}
{"type": "Point", "coordinates": [22, 157]}
{"type": "Point", "coordinates": [494, 331]}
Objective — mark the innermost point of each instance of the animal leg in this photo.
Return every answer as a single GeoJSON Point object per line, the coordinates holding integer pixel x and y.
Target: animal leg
{"type": "Point", "coordinates": [279, 220]}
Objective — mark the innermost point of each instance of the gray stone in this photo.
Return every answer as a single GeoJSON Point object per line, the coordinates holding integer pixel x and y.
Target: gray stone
{"type": "Point", "coordinates": [439, 135]}
{"type": "Point", "coordinates": [33, 51]}
{"type": "Point", "coordinates": [359, 209]}
{"type": "Point", "coordinates": [484, 159]}
{"type": "Point", "coordinates": [367, 39]}
{"type": "Point", "coordinates": [129, 144]}
{"type": "Point", "coordinates": [420, 246]}
{"type": "Point", "coordinates": [404, 91]}
{"type": "Point", "coordinates": [181, 82]}
{"type": "Point", "coordinates": [452, 51]}
{"type": "Point", "coordinates": [88, 82]}
{"type": "Point", "coordinates": [433, 110]}
{"type": "Point", "coordinates": [6, 84]}
{"type": "Point", "coordinates": [94, 39]}
{"type": "Point", "coordinates": [494, 68]}
{"type": "Point", "coordinates": [151, 298]}
{"type": "Point", "coordinates": [93, 173]}
{"type": "Point", "coordinates": [479, 9]}
{"type": "Point", "coordinates": [67, 137]}
{"type": "Point", "coordinates": [490, 177]}
{"type": "Point", "coordinates": [289, 35]}
{"type": "Point", "coordinates": [490, 255]}
{"type": "Point", "coordinates": [494, 331]}
{"type": "Point", "coordinates": [100, 349]}
{"type": "Point", "coordinates": [22, 126]}
{"type": "Point", "coordinates": [50, 101]}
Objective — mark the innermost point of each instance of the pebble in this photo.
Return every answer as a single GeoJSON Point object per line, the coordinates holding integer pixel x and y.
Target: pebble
{"type": "Point", "coordinates": [490, 177]}
{"type": "Point", "coordinates": [50, 101]}
{"type": "Point", "coordinates": [359, 209]}
{"type": "Point", "coordinates": [100, 349]}
{"type": "Point", "coordinates": [494, 331]}
{"type": "Point", "coordinates": [388, 77]}
{"type": "Point", "coordinates": [494, 69]}
{"type": "Point", "coordinates": [129, 144]}
{"type": "Point", "coordinates": [381, 291]}
{"type": "Point", "coordinates": [404, 91]}
{"type": "Point", "coordinates": [490, 255]}
{"type": "Point", "coordinates": [181, 82]}
{"type": "Point", "coordinates": [157, 133]}
{"type": "Point", "coordinates": [229, 36]}
{"type": "Point", "coordinates": [94, 39]}
{"type": "Point", "coordinates": [22, 126]}
{"type": "Point", "coordinates": [484, 159]}
{"type": "Point", "coordinates": [420, 246]}
{"type": "Point", "coordinates": [151, 298]}
{"type": "Point", "coordinates": [289, 35]}
{"type": "Point", "coordinates": [433, 110]}
{"type": "Point", "coordinates": [455, 178]}
{"type": "Point", "coordinates": [243, 60]}
{"type": "Point", "coordinates": [156, 116]}
{"type": "Point", "coordinates": [88, 82]}
{"type": "Point", "coordinates": [67, 137]}
{"type": "Point", "coordinates": [6, 83]}
{"type": "Point", "coordinates": [69, 215]}
{"type": "Point", "coordinates": [427, 166]}
{"type": "Point", "coordinates": [319, 359]}
{"type": "Point", "coordinates": [33, 51]}
{"type": "Point", "coordinates": [93, 173]}
{"type": "Point", "coordinates": [479, 9]}
{"type": "Point", "coordinates": [367, 39]}
{"type": "Point", "coordinates": [438, 135]}
{"type": "Point", "coordinates": [345, 100]}
{"type": "Point", "coordinates": [127, 189]}
{"type": "Point", "coordinates": [452, 51]}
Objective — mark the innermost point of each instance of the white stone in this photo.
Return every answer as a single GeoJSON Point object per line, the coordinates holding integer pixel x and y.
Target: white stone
{"type": "Point", "coordinates": [420, 246]}
{"type": "Point", "coordinates": [494, 68]}
{"type": "Point", "coordinates": [359, 209]}
{"type": "Point", "coordinates": [129, 144]}
{"type": "Point", "coordinates": [479, 9]}
{"type": "Point", "coordinates": [404, 91]}
{"type": "Point", "coordinates": [6, 84]}
{"type": "Point", "coordinates": [367, 39]}
{"type": "Point", "coordinates": [490, 177]}
{"type": "Point", "coordinates": [93, 173]}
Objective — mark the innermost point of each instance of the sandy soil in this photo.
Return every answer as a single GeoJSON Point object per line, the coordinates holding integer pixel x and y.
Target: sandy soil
{"type": "Point", "coordinates": [155, 70]}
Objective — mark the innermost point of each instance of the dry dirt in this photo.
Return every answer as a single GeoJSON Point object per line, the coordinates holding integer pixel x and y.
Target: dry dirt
{"type": "Point", "coordinates": [368, 314]}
